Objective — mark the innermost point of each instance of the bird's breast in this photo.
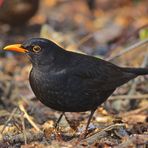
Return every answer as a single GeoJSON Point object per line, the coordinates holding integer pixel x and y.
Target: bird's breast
{"type": "Point", "coordinates": [51, 89]}
{"type": "Point", "coordinates": [46, 84]}
{"type": "Point", "coordinates": [60, 92]}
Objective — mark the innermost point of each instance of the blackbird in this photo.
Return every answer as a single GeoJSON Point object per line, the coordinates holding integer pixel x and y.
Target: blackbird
{"type": "Point", "coordinates": [17, 12]}
{"type": "Point", "coordinates": [71, 82]}
{"type": "Point", "coordinates": [91, 4]}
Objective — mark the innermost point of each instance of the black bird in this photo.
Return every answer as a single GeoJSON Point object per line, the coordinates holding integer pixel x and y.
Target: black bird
{"type": "Point", "coordinates": [17, 12]}
{"type": "Point", "coordinates": [91, 4]}
{"type": "Point", "coordinates": [71, 82]}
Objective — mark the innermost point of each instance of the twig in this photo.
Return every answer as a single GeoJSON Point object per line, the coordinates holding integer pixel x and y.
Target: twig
{"type": "Point", "coordinates": [31, 136]}
{"type": "Point", "coordinates": [131, 95]}
{"type": "Point", "coordinates": [17, 126]}
{"type": "Point", "coordinates": [134, 112]}
{"type": "Point", "coordinates": [128, 49]}
{"type": "Point", "coordinates": [85, 39]}
{"type": "Point", "coordinates": [141, 96]}
{"type": "Point", "coordinates": [123, 39]}
{"type": "Point", "coordinates": [28, 117]}
{"type": "Point", "coordinates": [114, 126]}
{"type": "Point", "coordinates": [134, 140]}
{"type": "Point", "coordinates": [9, 119]}
{"type": "Point", "coordinates": [103, 133]}
{"type": "Point", "coordinates": [24, 129]}
{"type": "Point", "coordinates": [135, 82]}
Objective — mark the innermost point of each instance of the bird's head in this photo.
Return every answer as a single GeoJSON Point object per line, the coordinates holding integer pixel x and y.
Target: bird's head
{"type": "Point", "coordinates": [39, 50]}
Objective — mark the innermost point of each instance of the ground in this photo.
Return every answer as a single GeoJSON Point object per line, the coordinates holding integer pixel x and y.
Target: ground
{"type": "Point", "coordinates": [115, 31]}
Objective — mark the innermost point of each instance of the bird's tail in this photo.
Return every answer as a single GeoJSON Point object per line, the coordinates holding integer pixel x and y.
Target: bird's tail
{"type": "Point", "coordinates": [137, 71]}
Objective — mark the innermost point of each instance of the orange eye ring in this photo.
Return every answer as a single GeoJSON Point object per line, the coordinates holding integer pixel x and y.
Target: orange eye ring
{"type": "Point", "coordinates": [36, 49]}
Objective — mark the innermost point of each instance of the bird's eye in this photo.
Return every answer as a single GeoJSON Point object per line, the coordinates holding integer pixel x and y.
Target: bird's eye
{"type": "Point", "coordinates": [36, 48]}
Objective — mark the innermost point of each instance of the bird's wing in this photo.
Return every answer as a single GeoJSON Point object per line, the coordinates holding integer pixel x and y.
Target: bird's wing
{"type": "Point", "coordinates": [99, 74]}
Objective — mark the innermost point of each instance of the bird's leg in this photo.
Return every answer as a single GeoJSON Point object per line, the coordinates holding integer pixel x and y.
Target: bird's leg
{"type": "Point", "coordinates": [88, 122]}
{"type": "Point", "coordinates": [59, 119]}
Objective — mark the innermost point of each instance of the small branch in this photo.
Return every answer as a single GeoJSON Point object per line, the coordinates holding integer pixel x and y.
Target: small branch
{"type": "Point", "coordinates": [135, 82]}
{"type": "Point", "coordinates": [30, 136]}
{"type": "Point", "coordinates": [134, 140]}
{"type": "Point", "coordinates": [135, 112]}
{"type": "Point", "coordinates": [128, 49]}
{"type": "Point", "coordinates": [24, 129]}
{"type": "Point", "coordinates": [9, 119]}
{"type": "Point", "coordinates": [103, 133]}
{"type": "Point", "coordinates": [84, 39]}
{"type": "Point", "coordinates": [114, 126]}
{"type": "Point", "coordinates": [144, 96]}
{"type": "Point", "coordinates": [28, 118]}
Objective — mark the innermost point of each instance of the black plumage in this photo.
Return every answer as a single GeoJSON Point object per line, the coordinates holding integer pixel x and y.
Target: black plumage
{"type": "Point", "coordinates": [91, 4]}
{"type": "Point", "coordinates": [72, 82]}
{"type": "Point", "coordinates": [17, 12]}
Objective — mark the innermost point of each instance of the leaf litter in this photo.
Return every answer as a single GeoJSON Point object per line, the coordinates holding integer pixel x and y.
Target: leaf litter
{"type": "Point", "coordinates": [108, 31]}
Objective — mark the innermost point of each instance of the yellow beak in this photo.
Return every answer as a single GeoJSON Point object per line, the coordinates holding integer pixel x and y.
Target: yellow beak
{"type": "Point", "coordinates": [15, 47]}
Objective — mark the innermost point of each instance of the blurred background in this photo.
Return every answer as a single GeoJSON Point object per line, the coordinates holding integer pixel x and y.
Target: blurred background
{"type": "Point", "coordinates": [114, 30]}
